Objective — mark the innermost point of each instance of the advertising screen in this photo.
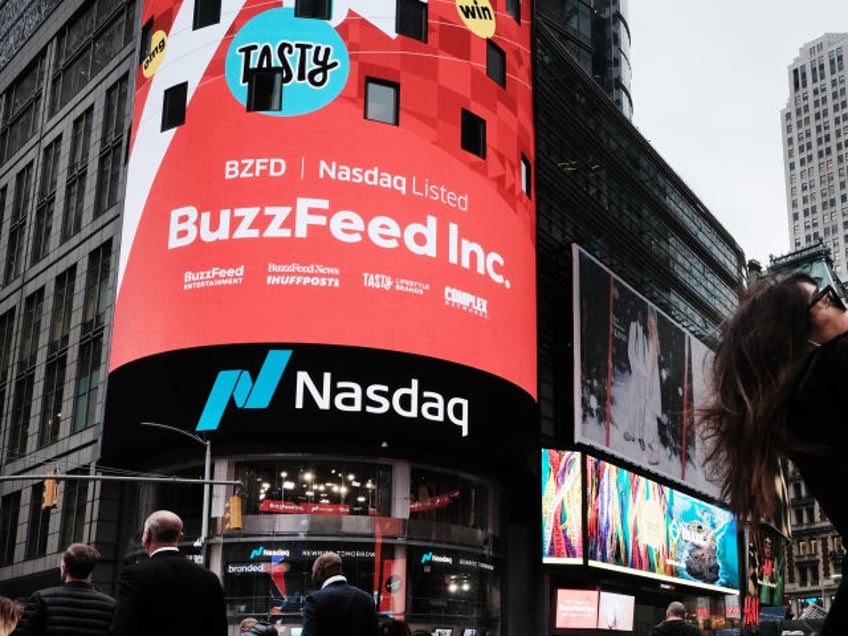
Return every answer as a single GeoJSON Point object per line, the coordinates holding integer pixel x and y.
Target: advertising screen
{"type": "Point", "coordinates": [615, 611]}
{"type": "Point", "coordinates": [562, 529]}
{"type": "Point", "coordinates": [636, 524]}
{"type": "Point", "coordinates": [356, 179]}
{"type": "Point", "coordinates": [576, 609]}
{"type": "Point", "coordinates": [639, 378]}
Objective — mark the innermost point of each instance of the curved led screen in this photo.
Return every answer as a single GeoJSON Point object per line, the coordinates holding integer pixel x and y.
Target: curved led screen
{"type": "Point", "coordinates": [359, 179]}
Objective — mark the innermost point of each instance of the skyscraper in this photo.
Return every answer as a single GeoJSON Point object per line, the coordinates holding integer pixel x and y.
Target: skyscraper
{"type": "Point", "coordinates": [814, 123]}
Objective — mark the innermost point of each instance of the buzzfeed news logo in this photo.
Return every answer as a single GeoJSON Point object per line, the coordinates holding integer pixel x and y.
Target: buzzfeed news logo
{"type": "Point", "coordinates": [326, 393]}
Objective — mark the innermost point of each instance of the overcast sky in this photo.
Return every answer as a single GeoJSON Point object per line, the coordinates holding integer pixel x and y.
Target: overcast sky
{"type": "Point", "coordinates": [709, 81]}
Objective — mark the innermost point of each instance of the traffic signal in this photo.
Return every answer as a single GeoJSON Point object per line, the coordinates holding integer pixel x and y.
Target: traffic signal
{"type": "Point", "coordinates": [48, 496]}
{"type": "Point", "coordinates": [232, 515]}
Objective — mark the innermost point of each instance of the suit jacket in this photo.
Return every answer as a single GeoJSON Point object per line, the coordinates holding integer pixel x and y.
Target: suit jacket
{"type": "Point", "coordinates": [675, 628]}
{"type": "Point", "coordinates": [74, 607]}
{"type": "Point", "coordinates": [339, 609]}
{"type": "Point", "coordinates": [169, 594]}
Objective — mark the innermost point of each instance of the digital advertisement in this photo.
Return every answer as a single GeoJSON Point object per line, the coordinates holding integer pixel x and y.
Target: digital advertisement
{"type": "Point", "coordinates": [639, 378]}
{"type": "Point", "coordinates": [637, 524]}
{"type": "Point", "coordinates": [310, 180]}
{"type": "Point", "coordinates": [562, 529]}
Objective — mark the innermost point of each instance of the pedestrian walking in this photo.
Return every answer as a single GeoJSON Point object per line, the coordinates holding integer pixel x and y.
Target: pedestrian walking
{"type": "Point", "coordinates": [337, 607]}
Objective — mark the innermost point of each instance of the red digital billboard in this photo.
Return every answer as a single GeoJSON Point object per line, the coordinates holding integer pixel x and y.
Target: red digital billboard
{"type": "Point", "coordinates": [576, 609]}
{"type": "Point", "coordinates": [358, 179]}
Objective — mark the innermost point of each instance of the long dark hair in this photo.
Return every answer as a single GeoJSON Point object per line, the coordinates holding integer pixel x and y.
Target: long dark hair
{"type": "Point", "coordinates": [753, 374]}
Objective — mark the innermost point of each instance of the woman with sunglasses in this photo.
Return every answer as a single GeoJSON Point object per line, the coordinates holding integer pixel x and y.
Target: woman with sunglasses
{"type": "Point", "coordinates": [780, 389]}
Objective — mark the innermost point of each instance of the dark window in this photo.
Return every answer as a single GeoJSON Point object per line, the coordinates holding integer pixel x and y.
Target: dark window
{"type": "Point", "coordinates": [19, 421]}
{"type": "Point", "coordinates": [526, 176]}
{"type": "Point", "coordinates": [473, 134]}
{"type": "Point", "coordinates": [74, 496]}
{"type": "Point", "coordinates": [87, 383]}
{"type": "Point", "coordinates": [96, 300]}
{"type": "Point", "coordinates": [60, 317]}
{"type": "Point", "coordinates": [17, 224]}
{"type": "Point", "coordinates": [206, 13]}
{"type": "Point", "coordinates": [29, 330]}
{"type": "Point", "coordinates": [411, 19]}
{"type": "Point", "coordinates": [174, 106]}
{"type": "Point", "coordinates": [146, 40]}
{"type": "Point", "coordinates": [319, 9]}
{"type": "Point", "coordinates": [45, 204]}
{"type": "Point", "coordinates": [39, 522]}
{"type": "Point", "coordinates": [51, 401]}
{"type": "Point", "coordinates": [265, 90]}
{"type": "Point", "coordinates": [10, 508]}
{"type": "Point", "coordinates": [7, 326]}
{"type": "Point", "coordinates": [77, 171]}
{"type": "Point", "coordinates": [513, 8]}
{"type": "Point", "coordinates": [21, 109]}
{"type": "Point", "coordinates": [381, 101]}
{"type": "Point", "coordinates": [87, 43]}
{"type": "Point", "coordinates": [111, 142]}
{"type": "Point", "coordinates": [495, 62]}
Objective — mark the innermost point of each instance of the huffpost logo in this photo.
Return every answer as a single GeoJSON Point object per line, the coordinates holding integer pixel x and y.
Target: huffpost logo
{"type": "Point", "coordinates": [246, 392]}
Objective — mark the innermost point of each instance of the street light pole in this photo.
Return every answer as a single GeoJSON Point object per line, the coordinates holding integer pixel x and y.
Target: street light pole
{"type": "Point", "coordinates": [207, 470]}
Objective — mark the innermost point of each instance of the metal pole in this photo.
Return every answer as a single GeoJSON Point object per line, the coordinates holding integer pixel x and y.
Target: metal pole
{"type": "Point", "coordinates": [204, 522]}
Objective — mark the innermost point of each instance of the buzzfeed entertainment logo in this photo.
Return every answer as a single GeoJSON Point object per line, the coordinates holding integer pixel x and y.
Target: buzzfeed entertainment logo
{"type": "Point", "coordinates": [326, 393]}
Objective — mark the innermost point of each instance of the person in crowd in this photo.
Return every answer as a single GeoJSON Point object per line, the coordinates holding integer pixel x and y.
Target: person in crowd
{"type": "Point", "coordinates": [675, 623]}
{"type": "Point", "coordinates": [74, 607]}
{"type": "Point", "coordinates": [337, 607]}
{"type": "Point", "coordinates": [168, 593]}
{"type": "Point", "coordinates": [395, 627]}
{"type": "Point", "coordinates": [779, 377]}
{"type": "Point", "coordinates": [246, 624]}
{"type": "Point", "coordinates": [9, 615]}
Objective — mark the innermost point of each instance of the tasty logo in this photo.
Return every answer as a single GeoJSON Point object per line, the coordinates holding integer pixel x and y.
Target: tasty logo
{"type": "Point", "coordinates": [307, 59]}
{"type": "Point", "coordinates": [478, 16]}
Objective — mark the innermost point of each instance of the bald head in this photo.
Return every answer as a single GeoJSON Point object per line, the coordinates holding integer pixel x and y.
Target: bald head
{"type": "Point", "coordinates": [327, 565]}
{"type": "Point", "coordinates": [676, 610]}
{"type": "Point", "coordinates": [163, 528]}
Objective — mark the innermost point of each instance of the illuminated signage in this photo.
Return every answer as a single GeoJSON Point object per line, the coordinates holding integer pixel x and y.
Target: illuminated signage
{"type": "Point", "coordinates": [303, 222]}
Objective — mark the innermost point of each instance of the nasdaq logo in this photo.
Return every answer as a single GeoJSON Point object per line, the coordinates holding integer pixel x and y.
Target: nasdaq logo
{"type": "Point", "coordinates": [245, 392]}
{"type": "Point", "coordinates": [427, 556]}
{"type": "Point", "coordinates": [257, 552]}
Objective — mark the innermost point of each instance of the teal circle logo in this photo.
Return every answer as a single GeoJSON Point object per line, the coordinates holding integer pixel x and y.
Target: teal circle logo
{"type": "Point", "coordinates": [304, 59]}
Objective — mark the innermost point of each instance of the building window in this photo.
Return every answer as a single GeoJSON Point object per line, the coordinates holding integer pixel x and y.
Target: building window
{"type": "Point", "coordinates": [17, 224]}
{"type": "Point", "coordinates": [21, 109]}
{"type": "Point", "coordinates": [10, 508]}
{"type": "Point", "coordinates": [74, 499]}
{"type": "Point", "coordinates": [111, 144]}
{"type": "Point", "coordinates": [382, 101]}
{"type": "Point", "coordinates": [495, 62]}
{"type": "Point", "coordinates": [87, 383]}
{"type": "Point", "coordinates": [411, 19]}
{"type": "Point", "coordinates": [60, 318]}
{"type": "Point", "coordinates": [318, 9]}
{"type": "Point", "coordinates": [39, 524]}
{"type": "Point", "coordinates": [51, 400]}
{"type": "Point", "coordinates": [95, 304]}
{"type": "Point", "coordinates": [19, 421]}
{"type": "Point", "coordinates": [29, 330]}
{"type": "Point", "coordinates": [473, 134]}
{"type": "Point", "coordinates": [7, 330]}
{"type": "Point", "coordinates": [174, 101]}
{"type": "Point", "coordinates": [513, 8]}
{"type": "Point", "coordinates": [86, 45]}
{"type": "Point", "coordinates": [206, 13]}
{"type": "Point", "coordinates": [43, 221]}
{"type": "Point", "coordinates": [146, 39]}
{"type": "Point", "coordinates": [77, 171]}
{"type": "Point", "coordinates": [526, 175]}
{"type": "Point", "coordinates": [265, 90]}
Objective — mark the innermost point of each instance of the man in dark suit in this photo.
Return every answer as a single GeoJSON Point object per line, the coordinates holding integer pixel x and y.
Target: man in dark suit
{"type": "Point", "coordinates": [74, 607]}
{"type": "Point", "coordinates": [675, 623]}
{"type": "Point", "coordinates": [168, 593]}
{"type": "Point", "coordinates": [338, 607]}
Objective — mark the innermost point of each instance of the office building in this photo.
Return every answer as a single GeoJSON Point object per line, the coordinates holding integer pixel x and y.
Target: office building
{"type": "Point", "coordinates": [306, 242]}
{"type": "Point", "coordinates": [814, 123]}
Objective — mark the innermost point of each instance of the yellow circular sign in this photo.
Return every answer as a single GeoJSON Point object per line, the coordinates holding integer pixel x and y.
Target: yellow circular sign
{"type": "Point", "coordinates": [478, 16]}
{"type": "Point", "coordinates": [153, 60]}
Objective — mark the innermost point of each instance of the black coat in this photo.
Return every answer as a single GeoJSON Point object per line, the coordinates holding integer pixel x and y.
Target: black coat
{"type": "Point", "coordinates": [339, 608]}
{"type": "Point", "coordinates": [169, 594]}
{"type": "Point", "coordinates": [73, 608]}
{"type": "Point", "coordinates": [676, 628]}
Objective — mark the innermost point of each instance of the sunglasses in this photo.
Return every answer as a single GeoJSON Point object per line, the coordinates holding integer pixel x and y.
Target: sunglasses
{"type": "Point", "coordinates": [833, 299]}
